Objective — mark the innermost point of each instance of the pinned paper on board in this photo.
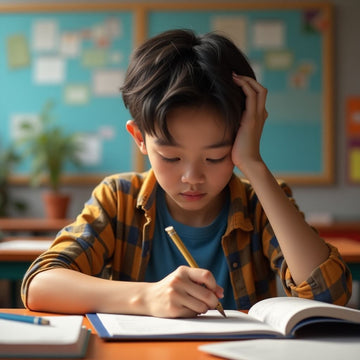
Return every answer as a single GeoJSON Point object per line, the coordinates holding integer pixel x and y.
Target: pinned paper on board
{"type": "Point", "coordinates": [107, 82]}
{"type": "Point", "coordinates": [70, 44]}
{"type": "Point", "coordinates": [113, 27]}
{"type": "Point", "coordinates": [300, 77]}
{"type": "Point", "coordinates": [315, 21]}
{"type": "Point", "coordinates": [93, 58]}
{"type": "Point", "coordinates": [45, 35]}
{"type": "Point", "coordinates": [76, 94]}
{"type": "Point", "coordinates": [269, 34]}
{"type": "Point", "coordinates": [100, 36]}
{"type": "Point", "coordinates": [107, 132]}
{"type": "Point", "coordinates": [17, 121]}
{"type": "Point", "coordinates": [18, 51]}
{"type": "Point", "coordinates": [279, 59]}
{"type": "Point", "coordinates": [91, 149]}
{"type": "Point", "coordinates": [233, 26]}
{"type": "Point", "coordinates": [49, 70]}
{"type": "Point", "coordinates": [115, 57]}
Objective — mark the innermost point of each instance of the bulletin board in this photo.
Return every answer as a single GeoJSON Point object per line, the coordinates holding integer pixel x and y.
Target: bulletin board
{"type": "Point", "coordinates": [76, 58]}
{"type": "Point", "coordinates": [289, 46]}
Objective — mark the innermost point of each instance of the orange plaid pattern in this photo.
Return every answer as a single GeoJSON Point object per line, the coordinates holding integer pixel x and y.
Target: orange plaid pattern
{"type": "Point", "coordinates": [112, 238]}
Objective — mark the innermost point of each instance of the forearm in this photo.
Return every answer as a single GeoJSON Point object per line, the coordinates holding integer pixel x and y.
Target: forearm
{"type": "Point", "coordinates": [180, 294]}
{"type": "Point", "coordinates": [68, 291]}
{"type": "Point", "coordinates": [303, 249]}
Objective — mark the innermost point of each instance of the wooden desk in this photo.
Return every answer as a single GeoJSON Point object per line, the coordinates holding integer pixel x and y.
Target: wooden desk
{"type": "Point", "coordinates": [350, 252]}
{"type": "Point", "coordinates": [348, 248]}
{"type": "Point", "coordinates": [14, 261]}
{"type": "Point", "coordinates": [339, 229]}
{"type": "Point", "coordinates": [135, 350]}
{"type": "Point", "coordinates": [32, 224]}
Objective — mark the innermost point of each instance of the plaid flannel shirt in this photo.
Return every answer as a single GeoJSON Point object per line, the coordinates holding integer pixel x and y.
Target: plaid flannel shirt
{"type": "Point", "coordinates": [112, 238]}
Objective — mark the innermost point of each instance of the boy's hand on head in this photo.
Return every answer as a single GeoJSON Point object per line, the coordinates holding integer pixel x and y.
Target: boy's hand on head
{"type": "Point", "coordinates": [186, 292]}
{"type": "Point", "coordinates": [246, 147]}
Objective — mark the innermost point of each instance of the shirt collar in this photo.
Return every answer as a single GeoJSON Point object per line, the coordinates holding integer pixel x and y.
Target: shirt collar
{"type": "Point", "coordinates": [147, 192]}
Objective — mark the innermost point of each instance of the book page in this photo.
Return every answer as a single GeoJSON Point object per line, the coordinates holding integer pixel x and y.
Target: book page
{"type": "Point", "coordinates": [283, 313]}
{"type": "Point", "coordinates": [210, 323]}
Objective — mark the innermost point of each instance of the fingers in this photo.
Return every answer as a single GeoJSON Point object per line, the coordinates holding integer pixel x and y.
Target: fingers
{"type": "Point", "coordinates": [187, 292]}
{"type": "Point", "coordinates": [246, 148]}
{"type": "Point", "coordinates": [199, 289]}
{"type": "Point", "coordinates": [255, 95]}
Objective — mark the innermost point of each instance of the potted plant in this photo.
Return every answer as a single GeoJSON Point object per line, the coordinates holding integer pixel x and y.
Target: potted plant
{"type": "Point", "coordinates": [49, 147]}
{"type": "Point", "coordinates": [8, 158]}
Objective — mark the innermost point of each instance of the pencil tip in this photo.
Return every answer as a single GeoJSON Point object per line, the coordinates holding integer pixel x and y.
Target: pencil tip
{"type": "Point", "coordinates": [220, 309]}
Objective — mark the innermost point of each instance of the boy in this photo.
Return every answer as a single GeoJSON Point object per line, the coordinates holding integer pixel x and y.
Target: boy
{"type": "Point", "coordinates": [197, 112]}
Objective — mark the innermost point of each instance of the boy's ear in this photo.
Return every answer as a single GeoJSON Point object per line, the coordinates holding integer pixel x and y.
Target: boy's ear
{"type": "Point", "coordinates": [134, 131]}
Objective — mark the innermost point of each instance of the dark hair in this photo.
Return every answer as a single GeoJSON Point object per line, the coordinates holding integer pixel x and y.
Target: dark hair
{"type": "Point", "coordinates": [177, 68]}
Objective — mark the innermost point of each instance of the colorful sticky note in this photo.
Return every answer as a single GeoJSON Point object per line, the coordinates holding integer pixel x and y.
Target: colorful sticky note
{"type": "Point", "coordinates": [18, 51]}
{"type": "Point", "coordinates": [76, 94]}
{"type": "Point", "coordinates": [279, 59]}
{"type": "Point", "coordinates": [354, 164]}
{"type": "Point", "coordinates": [353, 116]}
{"type": "Point", "coordinates": [92, 58]}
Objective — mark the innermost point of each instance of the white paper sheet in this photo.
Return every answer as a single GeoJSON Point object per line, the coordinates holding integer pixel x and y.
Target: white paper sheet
{"type": "Point", "coordinates": [45, 35]}
{"type": "Point", "coordinates": [107, 82]}
{"type": "Point", "coordinates": [234, 27]}
{"type": "Point", "coordinates": [49, 70]}
{"type": "Point", "coordinates": [269, 34]}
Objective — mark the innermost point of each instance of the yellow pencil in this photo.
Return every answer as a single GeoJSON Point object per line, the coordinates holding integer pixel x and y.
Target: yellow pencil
{"type": "Point", "coordinates": [190, 260]}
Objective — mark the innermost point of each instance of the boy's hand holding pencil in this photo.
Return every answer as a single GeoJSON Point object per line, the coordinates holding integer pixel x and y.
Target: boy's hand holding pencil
{"type": "Point", "coordinates": [188, 257]}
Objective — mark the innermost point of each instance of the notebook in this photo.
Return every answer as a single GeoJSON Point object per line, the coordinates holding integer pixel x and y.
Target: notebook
{"type": "Point", "coordinates": [65, 337]}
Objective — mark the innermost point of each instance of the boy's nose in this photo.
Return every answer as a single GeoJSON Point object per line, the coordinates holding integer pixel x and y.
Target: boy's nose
{"type": "Point", "coordinates": [193, 174]}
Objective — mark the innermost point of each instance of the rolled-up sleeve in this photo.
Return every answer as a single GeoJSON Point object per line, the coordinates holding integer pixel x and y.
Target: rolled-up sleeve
{"type": "Point", "coordinates": [330, 282]}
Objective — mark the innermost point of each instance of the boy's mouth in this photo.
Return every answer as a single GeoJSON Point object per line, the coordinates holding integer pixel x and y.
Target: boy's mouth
{"type": "Point", "coordinates": [192, 195]}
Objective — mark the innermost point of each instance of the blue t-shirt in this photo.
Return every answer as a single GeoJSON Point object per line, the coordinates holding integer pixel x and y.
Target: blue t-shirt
{"type": "Point", "coordinates": [204, 244]}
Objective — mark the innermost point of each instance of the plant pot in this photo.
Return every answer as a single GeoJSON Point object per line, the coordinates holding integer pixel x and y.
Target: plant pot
{"type": "Point", "coordinates": [55, 205]}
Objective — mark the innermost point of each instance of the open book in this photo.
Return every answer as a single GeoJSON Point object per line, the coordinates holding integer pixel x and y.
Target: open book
{"type": "Point", "coordinates": [274, 317]}
{"type": "Point", "coordinates": [65, 337]}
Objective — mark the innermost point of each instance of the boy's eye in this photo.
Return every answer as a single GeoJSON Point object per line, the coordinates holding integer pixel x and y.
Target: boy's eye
{"type": "Point", "coordinates": [174, 159]}
{"type": "Point", "coordinates": [215, 161]}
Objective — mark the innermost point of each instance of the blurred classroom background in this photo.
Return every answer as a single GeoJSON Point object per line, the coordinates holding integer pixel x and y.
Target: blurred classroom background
{"type": "Point", "coordinates": [65, 64]}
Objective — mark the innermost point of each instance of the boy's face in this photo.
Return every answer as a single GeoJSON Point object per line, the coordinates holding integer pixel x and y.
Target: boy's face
{"type": "Point", "coordinates": [196, 166]}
